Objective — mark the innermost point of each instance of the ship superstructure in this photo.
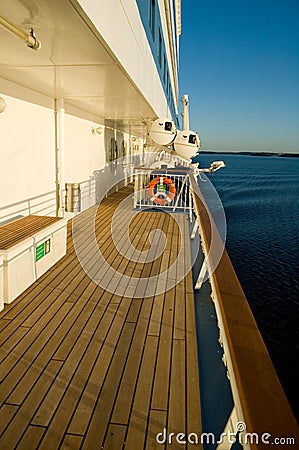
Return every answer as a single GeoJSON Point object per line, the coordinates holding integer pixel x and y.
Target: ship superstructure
{"type": "Point", "coordinates": [89, 107]}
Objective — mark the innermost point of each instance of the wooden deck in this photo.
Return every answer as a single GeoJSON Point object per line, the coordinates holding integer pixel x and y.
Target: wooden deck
{"type": "Point", "coordinates": [85, 368]}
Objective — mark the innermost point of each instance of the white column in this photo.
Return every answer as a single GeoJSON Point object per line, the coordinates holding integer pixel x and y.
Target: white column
{"type": "Point", "coordinates": [59, 142]}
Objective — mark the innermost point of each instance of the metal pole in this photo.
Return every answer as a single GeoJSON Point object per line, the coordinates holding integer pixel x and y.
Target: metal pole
{"type": "Point", "coordinates": [185, 113]}
{"type": "Point", "coordinates": [29, 38]}
{"type": "Point", "coordinates": [59, 156]}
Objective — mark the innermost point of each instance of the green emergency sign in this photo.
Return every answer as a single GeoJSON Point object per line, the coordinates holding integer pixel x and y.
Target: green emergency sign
{"type": "Point", "coordinates": [42, 249]}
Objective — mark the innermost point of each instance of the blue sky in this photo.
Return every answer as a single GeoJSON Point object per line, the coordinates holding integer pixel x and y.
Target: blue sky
{"type": "Point", "coordinates": [239, 63]}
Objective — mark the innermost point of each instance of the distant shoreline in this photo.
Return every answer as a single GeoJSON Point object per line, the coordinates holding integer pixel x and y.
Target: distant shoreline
{"type": "Point", "coordinates": [288, 155]}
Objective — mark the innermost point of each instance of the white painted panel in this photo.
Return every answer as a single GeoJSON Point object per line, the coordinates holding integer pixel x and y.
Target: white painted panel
{"type": "Point", "coordinates": [18, 265]}
{"type": "Point", "coordinates": [76, 65]}
{"type": "Point", "coordinates": [27, 151]}
{"type": "Point", "coordinates": [1, 284]}
{"type": "Point", "coordinates": [18, 269]}
{"type": "Point", "coordinates": [57, 248]}
{"type": "Point", "coordinates": [83, 151]}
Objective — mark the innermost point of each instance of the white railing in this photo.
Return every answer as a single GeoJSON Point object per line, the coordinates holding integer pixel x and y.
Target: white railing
{"type": "Point", "coordinates": [88, 193]}
{"type": "Point", "coordinates": [152, 189]}
{"type": "Point", "coordinates": [159, 155]}
{"type": "Point", "coordinates": [41, 205]}
{"type": "Point", "coordinates": [117, 173]}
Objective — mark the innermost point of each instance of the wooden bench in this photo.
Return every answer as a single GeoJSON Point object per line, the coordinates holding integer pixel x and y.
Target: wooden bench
{"type": "Point", "coordinates": [28, 247]}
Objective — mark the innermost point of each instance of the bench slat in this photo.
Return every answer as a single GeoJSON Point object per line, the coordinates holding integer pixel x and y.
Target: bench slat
{"type": "Point", "coordinates": [25, 227]}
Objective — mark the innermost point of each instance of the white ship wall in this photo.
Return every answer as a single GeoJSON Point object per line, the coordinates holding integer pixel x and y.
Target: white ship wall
{"type": "Point", "coordinates": [27, 156]}
{"type": "Point", "coordinates": [84, 152]}
{"type": "Point", "coordinates": [110, 84]}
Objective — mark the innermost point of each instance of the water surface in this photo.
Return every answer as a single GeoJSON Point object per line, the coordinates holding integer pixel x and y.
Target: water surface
{"type": "Point", "coordinates": [260, 196]}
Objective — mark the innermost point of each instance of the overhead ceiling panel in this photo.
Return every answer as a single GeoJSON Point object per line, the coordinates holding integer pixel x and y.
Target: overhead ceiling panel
{"type": "Point", "coordinates": [73, 63]}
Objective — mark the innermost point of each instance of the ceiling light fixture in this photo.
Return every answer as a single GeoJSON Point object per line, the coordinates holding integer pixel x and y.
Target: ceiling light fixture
{"type": "Point", "coordinates": [2, 105]}
{"type": "Point", "coordinates": [98, 130]}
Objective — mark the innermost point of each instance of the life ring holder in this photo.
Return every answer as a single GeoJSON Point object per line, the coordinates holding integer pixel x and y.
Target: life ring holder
{"type": "Point", "coordinates": [161, 197]}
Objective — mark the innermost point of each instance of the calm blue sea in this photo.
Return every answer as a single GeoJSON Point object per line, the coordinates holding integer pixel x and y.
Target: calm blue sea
{"type": "Point", "coordinates": [260, 196]}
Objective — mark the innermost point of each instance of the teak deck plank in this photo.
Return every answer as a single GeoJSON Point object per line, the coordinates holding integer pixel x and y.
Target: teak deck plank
{"type": "Point", "coordinates": [122, 407]}
{"type": "Point", "coordinates": [136, 434]}
{"type": "Point", "coordinates": [115, 437]}
{"type": "Point", "coordinates": [31, 437]}
{"type": "Point", "coordinates": [156, 425]}
{"type": "Point", "coordinates": [71, 441]}
{"type": "Point", "coordinates": [164, 354]}
{"type": "Point", "coordinates": [101, 414]}
{"type": "Point", "coordinates": [23, 416]}
{"type": "Point", "coordinates": [177, 401]}
{"type": "Point", "coordinates": [192, 399]}
{"type": "Point", "coordinates": [85, 368]}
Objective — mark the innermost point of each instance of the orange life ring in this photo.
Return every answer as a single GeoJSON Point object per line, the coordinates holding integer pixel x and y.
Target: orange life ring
{"type": "Point", "coordinates": [161, 197]}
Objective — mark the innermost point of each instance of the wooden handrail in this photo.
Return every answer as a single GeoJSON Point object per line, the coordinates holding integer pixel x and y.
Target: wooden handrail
{"type": "Point", "coordinates": [264, 405]}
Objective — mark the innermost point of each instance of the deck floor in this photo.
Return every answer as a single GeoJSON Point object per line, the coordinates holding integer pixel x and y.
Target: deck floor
{"type": "Point", "coordinates": [86, 368]}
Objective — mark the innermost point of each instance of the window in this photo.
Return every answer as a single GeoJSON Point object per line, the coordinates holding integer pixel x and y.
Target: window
{"type": "Point", "coordinates": [164, 69]}
{"type": "Point", "coordinates": [159, 48]}
{"type": "Point", "coordinates": [192, 139]}
{"type": "Point", "coordinates": [167, 84]}
{"type": "Point", "coordinates": [152, 16]}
